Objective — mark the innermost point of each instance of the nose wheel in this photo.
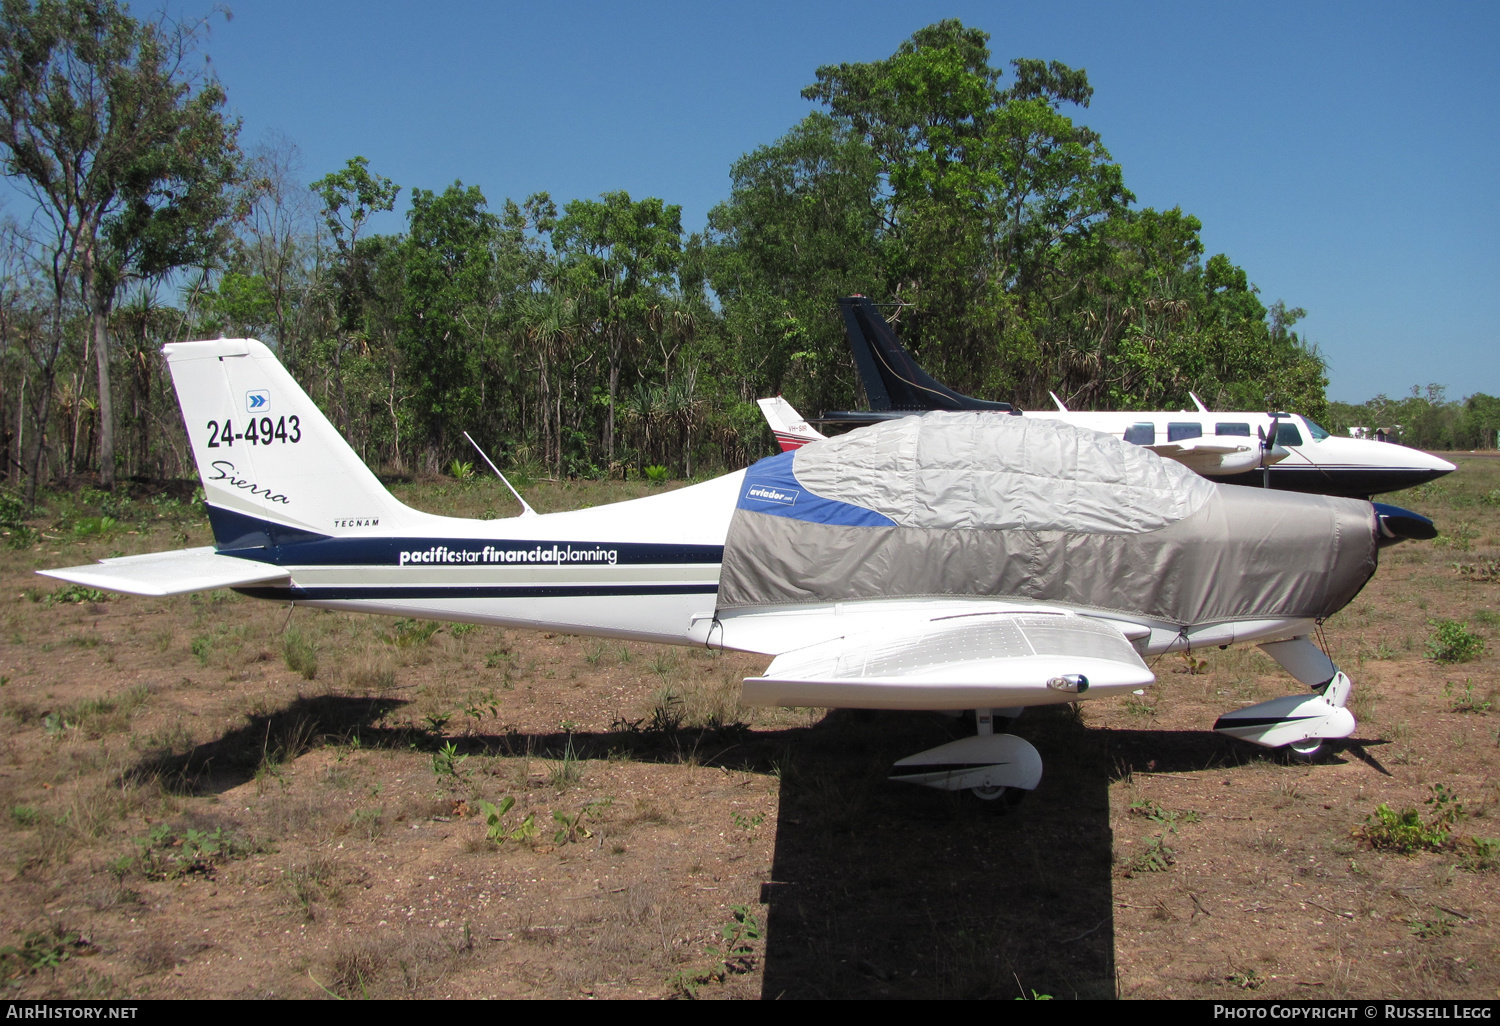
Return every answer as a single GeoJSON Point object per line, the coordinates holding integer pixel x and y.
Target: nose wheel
{"type": "Point", "coordinates": [1308, 750]}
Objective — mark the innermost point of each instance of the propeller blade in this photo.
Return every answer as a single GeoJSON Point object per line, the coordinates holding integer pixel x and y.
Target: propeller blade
{"type": "Point", "coordinates": [1397, 524]}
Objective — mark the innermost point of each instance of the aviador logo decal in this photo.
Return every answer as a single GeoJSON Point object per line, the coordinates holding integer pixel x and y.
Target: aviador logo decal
{"type": "Point", "coordinates": [258, 401]}
{"type": "Point", "coordinates": [765, 493]}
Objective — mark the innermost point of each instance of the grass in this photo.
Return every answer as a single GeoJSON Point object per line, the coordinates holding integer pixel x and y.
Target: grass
{"type": "Point", "coordinates": [300, 654]}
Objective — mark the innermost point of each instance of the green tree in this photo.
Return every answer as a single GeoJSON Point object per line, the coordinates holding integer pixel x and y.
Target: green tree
{"type": "Point", "coordinates": [621, 256]}
{"type": "Point", "coordinates": [450, 304]}
{"type": "Point", "coordinates": [351, 196]}
{"type": "Point", "coordinates": [124, 148]}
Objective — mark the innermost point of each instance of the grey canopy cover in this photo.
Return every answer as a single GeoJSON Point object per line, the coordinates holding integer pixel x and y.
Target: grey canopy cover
{"type": "Point", "coordinates": [987, 505]}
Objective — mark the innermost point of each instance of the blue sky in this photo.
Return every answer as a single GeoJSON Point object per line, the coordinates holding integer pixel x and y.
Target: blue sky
{"type": "Point", "coordinates": [1345, 155]}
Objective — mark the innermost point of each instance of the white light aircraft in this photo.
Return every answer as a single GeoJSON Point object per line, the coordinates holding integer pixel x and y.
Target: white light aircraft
{"type": "Point", "coordinates": [944, 562]}
{"type": "Point", "coordinates": [1274, 450]}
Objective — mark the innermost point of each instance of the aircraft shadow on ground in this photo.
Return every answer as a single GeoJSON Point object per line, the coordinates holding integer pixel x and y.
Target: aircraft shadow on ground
{"type": "Point", "coordinates": [882, 889]}
{"type": "Point", "coordinates": [877, 889]}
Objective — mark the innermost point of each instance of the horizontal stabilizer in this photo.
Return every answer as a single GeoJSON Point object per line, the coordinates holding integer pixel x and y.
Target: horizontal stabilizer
{"type": "Point", "coordinates": [962, 662]}
{"type": "Point", "coordinates": [170, 573]}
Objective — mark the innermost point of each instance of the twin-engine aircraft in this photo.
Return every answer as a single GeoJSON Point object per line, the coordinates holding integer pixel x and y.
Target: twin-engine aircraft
{"type": "Point", "coordinates": [1273, 450]}
{"type": "Point", "coordinates": [953, 561]}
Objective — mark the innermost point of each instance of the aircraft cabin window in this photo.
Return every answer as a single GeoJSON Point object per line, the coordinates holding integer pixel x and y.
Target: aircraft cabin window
{"type": "Point", "coordinates": [1178, 432]}
{"type": "Point", "coordinates": [1287, 434]}
{"type": "Point", "coordinates": [1317, 432]}
{"type": "Point", "coordinates": [1243, 430]}
{"type": "Point", "coordinates": [1141, 434]}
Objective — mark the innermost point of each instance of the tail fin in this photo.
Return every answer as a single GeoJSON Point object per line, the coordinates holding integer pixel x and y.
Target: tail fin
{"type": "Point", "coordinates": [272, 465]}
{"type": "Point", "coordinates": [791, 430]}
{"type": "Point", "coordinates": [891, 378]}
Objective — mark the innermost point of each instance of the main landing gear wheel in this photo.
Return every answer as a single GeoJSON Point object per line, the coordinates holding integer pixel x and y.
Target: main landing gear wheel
{"type": "Point", "coordinates": [1307, 750]}
{"type": "Point", "coordinates": [1010, 797]}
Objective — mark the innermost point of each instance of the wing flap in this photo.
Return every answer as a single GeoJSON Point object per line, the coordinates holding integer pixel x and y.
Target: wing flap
{"type": "Point", "coordinates": [170, 573]}
{"type": "Point", "coordinates": [964, 662]}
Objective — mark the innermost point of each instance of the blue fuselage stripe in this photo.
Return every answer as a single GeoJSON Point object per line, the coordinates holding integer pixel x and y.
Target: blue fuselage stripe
{"type": "Point", "coordinates": [465, 591]}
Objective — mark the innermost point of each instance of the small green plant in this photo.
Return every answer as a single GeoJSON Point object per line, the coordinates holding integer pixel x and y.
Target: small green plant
{"type": "Point", "coordinates": [299, 653]}
{"type": "Point", "coordinates": [1447, 810]}
{"type": "Point", "coordinates": [24, 815]}
{"type": "Point", "coordinates": [461, 470]}
{"type": "Point", "coordinates": [446, 762]}
{"type": "Point", "coordinates": [1452, 642]}
{"type": "Point", "coordinates": [747, 823]}
{"type": "Point", "coordinates": [1164, 817]}
{"type": "Point", "coordinates": [571, 828]}
{"type": "Point", "coordinates": [656, 473]}
{"type": "Point", "coordinates": [407, 633]}
{"type": "Point", "coordinates": [1480, 855]}
{"type": "Point", "coordinates": [1154, 857]}
{"type": "Point", "coordinates": [736, 936]}
{"type": "Point", "coordinates": [498, 831]}
{"type": "Point", "coordinates": [1464, 700]}
{"type": "Point", "coordinates": [459, 630]}
{"type": "Point", "coordinates": [89, 527]}
{"type": "Point", "coordinates": [73, 594]}
{"type": "Point", "coordinates": [1484, 570]}
{"type": "Point", "coordinates": [1460, 539]}
{"type": "Point", "coordinates": [164, 854]}
{"type": "Point", "coordinates": [18, 534]}
{"type": "Point", "coordinates": [202, 646]}
{"type": "Point", "coordinates": [1406, 831]}
{"type": "Point", "coordinates": [1245, 979]}
{"type": "Point", "coordinates": [1427, 928]}
{"type": "Point", "coordinates": [734, 954]}
{"type": "Point", "coordinates": [566, 771]}
{"type": "Point", "coordinates": [478, 707]}
{"type": "Point", "coordinates": [42, 949]}
{"type": "Point", "coordinates": [667, 712]}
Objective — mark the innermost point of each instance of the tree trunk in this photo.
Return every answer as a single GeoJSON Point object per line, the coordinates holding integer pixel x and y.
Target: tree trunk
{"type": "Point", "coordinates": [614, 385]}
{"type": "Point", "coordinates": [99, 318]}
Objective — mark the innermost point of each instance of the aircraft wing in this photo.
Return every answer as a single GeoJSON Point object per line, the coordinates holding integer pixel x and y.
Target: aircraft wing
{"type": "Point", "coordinates": [171, 573]}
{"type": "Point", "coordinates": [968, 661]}
{"type": "Point", "coordinates": [1212, 458]}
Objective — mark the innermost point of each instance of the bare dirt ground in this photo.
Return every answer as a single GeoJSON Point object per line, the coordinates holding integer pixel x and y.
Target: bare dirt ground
{"type": "Point", "coordinates": [200, 797]}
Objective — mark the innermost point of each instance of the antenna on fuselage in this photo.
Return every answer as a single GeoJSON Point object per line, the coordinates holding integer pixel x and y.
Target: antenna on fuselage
{"type": "Point", "coordinates": [526, 510]}
{"type": "Point", "coordinates": [1061, 407]}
